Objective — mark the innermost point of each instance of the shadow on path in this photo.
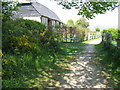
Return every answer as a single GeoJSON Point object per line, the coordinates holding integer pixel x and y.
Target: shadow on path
{"type": "Point", "coordinates": [84, 73]}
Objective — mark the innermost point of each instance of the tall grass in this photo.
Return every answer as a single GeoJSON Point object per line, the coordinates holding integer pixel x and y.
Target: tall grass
{"type": "Point", "coordinates": [109, 57]}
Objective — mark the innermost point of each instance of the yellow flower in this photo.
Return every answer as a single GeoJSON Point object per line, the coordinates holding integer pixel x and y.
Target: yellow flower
{"type": "Point", "coordinates": [43, 33]}
{"type": "Point", "coordinates": [25, 36]}
{"type": "Point", "coordinates": [1, 73]}
{"type": "Point", "coordinates": [1, 54]}
{"type": "Point", "coordinates": [5, 61]}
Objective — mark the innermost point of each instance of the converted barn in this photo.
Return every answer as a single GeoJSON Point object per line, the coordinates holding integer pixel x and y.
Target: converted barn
{"type": "Point", "coordinates": [36, 11]}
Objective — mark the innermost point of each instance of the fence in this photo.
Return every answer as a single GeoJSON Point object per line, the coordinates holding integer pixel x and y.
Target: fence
{"type": "Point", "coordinates": [71, 34]}
{"type": "Point", "coordinates": [107, 38]}
{"type": "Point", "coordinates": [66, 34]}
{"type": "Point", "coordinates": [90, 36]}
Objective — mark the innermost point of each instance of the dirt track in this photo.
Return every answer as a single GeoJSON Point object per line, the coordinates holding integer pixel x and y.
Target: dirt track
{"type": "Point", "coordinates": [84, 72]}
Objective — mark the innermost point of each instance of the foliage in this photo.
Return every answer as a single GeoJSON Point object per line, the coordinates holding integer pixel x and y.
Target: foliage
{"type": "Point", "coordinates": [82, 28]}
{"type": "Point", "coordinates": [92, 31]}
{"type": "Point", "coordinates": [7, 8]}
{"type": "Point", "coordinates": [70, 22]}
{"type": "Point", "coordinates": [33, 25]}
{"type": "Point", "coordinates": [89, 8]}
{"type": "Point", "coordinates": [45, 60]}
{"type": "Point", "coordinates": [109, 57]}
{"type": "Point", "coordinates": [113, 31]}
{"type": "Point", "coordinates": [97, 29]}
{"type": "Point", "coordinates": [81, 32]}
{"type": "Point", "coordinates": [82, 22]}
{"type": "Point", "coordinates": [19, 38]}
{"type": "Point", "coordinates": [16, 33]}
{"type": "Point", "coordinates": [30, 54]}
{"type": "Point", "coordinates": [22, 44]}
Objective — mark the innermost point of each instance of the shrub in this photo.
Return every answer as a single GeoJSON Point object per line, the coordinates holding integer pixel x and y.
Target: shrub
{"type": "Point", "coordinates": [16, 33]}
{"type": "Point", "coordinates": [33, 25]}
{"type": "Point", "coordinates": [97, 29]}
{"type": "Point", "coordinates": [26, 49]}
{"type": "Point", "coordinates": [113, 31]}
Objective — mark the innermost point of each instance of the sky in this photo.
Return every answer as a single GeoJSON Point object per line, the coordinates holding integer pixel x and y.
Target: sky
{"type": "Point", "coordinates": [102, 21]}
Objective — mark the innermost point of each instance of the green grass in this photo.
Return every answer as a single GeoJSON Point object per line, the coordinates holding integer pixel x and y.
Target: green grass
{"type": "Point", "coordinates": [31, 58]}
{"type": "Point", "coordinates": [89, 41]}
{"type": "Point", "coordinates": [37, 69]}
{"type": "Point", "coordinates": [109, 59]}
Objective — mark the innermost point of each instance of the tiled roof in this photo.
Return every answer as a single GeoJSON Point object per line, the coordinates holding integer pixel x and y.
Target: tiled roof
{"type": "Point", "coordinates": [36, 9]}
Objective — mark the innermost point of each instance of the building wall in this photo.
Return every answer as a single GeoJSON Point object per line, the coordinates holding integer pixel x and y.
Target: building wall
{"type": "Point", "coordinates": [33, 18]}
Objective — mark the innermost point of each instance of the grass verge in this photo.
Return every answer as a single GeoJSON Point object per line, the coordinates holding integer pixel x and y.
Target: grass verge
{"type": "Point", "coordinates": [109, 58]}
{"type": "Point", "coordinates": [96, 41]}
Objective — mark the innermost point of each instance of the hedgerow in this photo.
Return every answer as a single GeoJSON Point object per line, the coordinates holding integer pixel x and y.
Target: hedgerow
{"type": "Point", "coordinates": [113, 31]}
{"type": "Point", "coordinates": [21, 40]}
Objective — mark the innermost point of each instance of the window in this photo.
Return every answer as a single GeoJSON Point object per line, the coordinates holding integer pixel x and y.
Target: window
{"type": "Point", "coordinates": [53, 23]}
{"type": "Point", "coordinates": [45, 21]}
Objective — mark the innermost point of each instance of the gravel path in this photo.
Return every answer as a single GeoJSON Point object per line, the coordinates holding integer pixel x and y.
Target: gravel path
{"type": "Point", "coordinates": [84, 73]}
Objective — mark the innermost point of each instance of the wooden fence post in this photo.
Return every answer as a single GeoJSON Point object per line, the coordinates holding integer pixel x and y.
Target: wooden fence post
{"type": "Point", "coordinates": [118, 39]}
{"type": "Point", "coordinates": [118, 42]}
{"type": "Point", "coordinates": [108, 39]}
{"type": "Point", "coordinates": [70, 28]}
{"type": "Point", "coordinates": [103, 35]}
{"type": "Point", "coordinates": [66, 33]}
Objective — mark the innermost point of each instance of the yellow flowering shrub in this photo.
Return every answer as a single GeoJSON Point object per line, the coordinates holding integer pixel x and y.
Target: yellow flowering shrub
{"type": "Point", "coordinates": [1, 53]}
{"type": "Point", "coordinates": [21, 43]}
{"type": "Point", "coordinates": [43, 33]}
{"type": "Point", "coordinates": [5, 61]}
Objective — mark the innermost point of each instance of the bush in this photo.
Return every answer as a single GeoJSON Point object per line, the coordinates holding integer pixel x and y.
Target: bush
{"type": "Point", "coordinates": [110, 58]}
{"type": "Point", "coordinates": [25, 41]}
{"type": "Point", "coordinates": [113, 31]}
{"type": "Point", "coordinates": [33, 25]}
{"type": "Point", "coordinates": [17, 34]}
{"type": "Point", "coordinates": [29, 50]}
{"type": "Point", "coordinates": [97, 29]}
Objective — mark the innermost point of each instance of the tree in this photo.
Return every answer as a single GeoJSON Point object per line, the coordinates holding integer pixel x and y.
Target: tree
{"type": "Point", "coordinates": [70, 22]}
{"type": "Point", "coordinates": [97, 29]}
{"type": "Point", "coordinates": [7, 9]}
{"type": "Point", "coordinates": [89, 8]}
{"type": "Point", "coordinates": [113, 31]}
{"type": "Point", "coordinates": [82, 22]}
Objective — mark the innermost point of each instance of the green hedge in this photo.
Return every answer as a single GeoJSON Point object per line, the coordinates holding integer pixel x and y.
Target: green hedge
{"type": "Point", "coordinates": [23, 42]}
